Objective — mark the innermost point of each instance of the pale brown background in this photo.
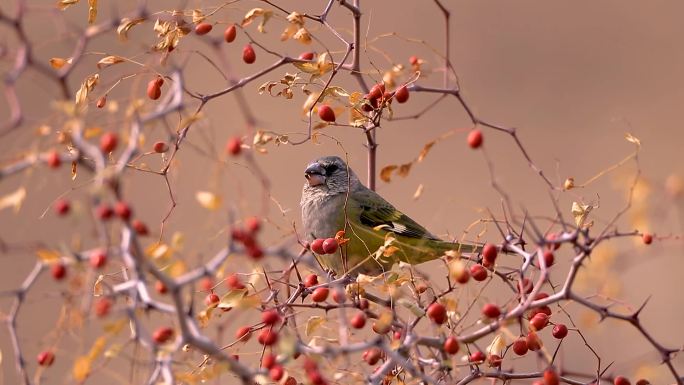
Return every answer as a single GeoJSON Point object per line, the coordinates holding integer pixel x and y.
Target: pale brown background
{"type": "Point", "coordinates": [572, 76]}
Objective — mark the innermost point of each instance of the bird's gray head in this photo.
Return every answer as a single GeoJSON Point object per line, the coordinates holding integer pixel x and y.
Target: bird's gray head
{"type": "Point", "coordinates": [329, 174]}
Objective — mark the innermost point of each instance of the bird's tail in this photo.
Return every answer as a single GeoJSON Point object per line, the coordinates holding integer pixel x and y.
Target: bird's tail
{"type": "Point", "coordinates": [431, 249]}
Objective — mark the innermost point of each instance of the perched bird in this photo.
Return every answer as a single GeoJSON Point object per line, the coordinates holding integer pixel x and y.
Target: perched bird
{"type": "Point", "coordinates": [334, 199]}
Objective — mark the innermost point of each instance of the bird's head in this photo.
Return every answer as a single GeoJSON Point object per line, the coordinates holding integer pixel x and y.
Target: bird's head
{"type": "Point", "coordinates": [330, 174]}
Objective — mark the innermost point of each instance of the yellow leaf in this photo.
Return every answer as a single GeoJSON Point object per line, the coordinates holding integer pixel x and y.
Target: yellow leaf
{"type": "Point", "coordinates": [14, 199]}
{"type": "Point", "coordinates": [255, 13]}
{"type": "Point", "coordinates": [47, 255]}
{"type": "Point", "coordinates": [208, 200]}
{"type": "Point", "coordinates": [86, 87]}
{"type": "Point", "coordinates": [113, 351]}
{"type": "Point", "coordinates": [125, 26]}
{"type": "Point", "coordinates": [177, 268]}
{"type": "Point", "coordinates": [97, 348]}
{"type": "Point", "coordinates": [92, 132]}
{"type": "Point", "coordinates": [177, 240]}
{"type": "Point", "coordinates": [73, 169]}
{"type": "Point", "coordinates": [313, 323]}
{"type": "Point", "coordinates": [158, 251]}
{"type": "Point", "coordinates": [386, 172]}
{"type": "Point", "coordinates": [197, 16]}
{"type": "Point", "coordinates": [92, 11]}
{"type": "Point", "coordinates": [232, 298]}
{"type": "Point", "coordinates": [303, 36]}
{"type": "Point", "coordinates": [97, 286]}
{"type": "Point", "coordinates": [81, 368]}
{"type": "Point", "coordinates": [404, 169]}
{"type": "Point", "coordinates": [569, 183]}
{"type": "Point", "coordinates": [109, 60]}
{"type": "Point", "coordinates": [580, 212]}
{"type": "Point", "coordinates": [419, 192]}
{"type": "Point", "coordinates": [425, 150]}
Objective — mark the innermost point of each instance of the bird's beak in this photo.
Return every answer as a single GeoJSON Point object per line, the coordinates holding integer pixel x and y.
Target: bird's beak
{"type": "Point", "coordinates": [315, 174]}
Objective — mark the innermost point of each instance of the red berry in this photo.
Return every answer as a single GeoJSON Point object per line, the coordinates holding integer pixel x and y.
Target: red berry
{"type": "Point", "coordinates": [320, 294]}
{"type": "Point", "coordinates": [560, 331]}
{"type": "Point", "coordinates": [437, 313]}
{"type": "Point", "coordinates": [326, 113]}
{"type": "Point", "coordinates": [123, 210]}
{"type": "Point", "coordinates": [268, 361]}
{"type": "Point", "coordinates": [153, 90]}
{"type": "Point", "coordinates": [62, 207]}
{"type": "Point", "coordinates": [243, 334]}
{"type": "Point", "coordinates": [376, 91]}
{"type": "Point", "coordinates": [234, 146]}
{"type": "Point", "coordinates": [102, 307]}
{"type": "Point", "coordinates": [451, 345]}
{"type": "Point", "coordinates": [475, 138]}
{"type": "Point", "coordinates": [339, 296]}
{"type": "Point", "coordinates": [206, 284]}
{"type": "Point", "coordinates": [330, 245]}
{"type": "Point", "coordinates": [230, 33]}
{"type": "Point", "coordinates": [551, 237]}
{"type": "Point", "coordinates": [160, 287]}
{"type": "Point", "coordinates": [533, 341]}
{"type": "Point", "coordinates": [276, 373]}
{"type": "Point", "coordinates": [539, 321]}
{"type": "Point", "coordinates": [98, 259]}
{"type": "Point", "coordinates": [476, 356]}
{"type": "Point", "coordinates": [643, 382]}
{"type": "Point", "coordinates": [525, 286]}
{"type": "Point", "coordinates": [311, 280]}
{"type": "Point", "coordinates": [46, 358]}
{"type": "Point", "coordinates": [647, 238]}
{"type": "Point", "coordinates": [317, 246]}
{"type": "Point", "coordinates": [520, 346]}
{"type": "Point", "coordinates": [140, 227]}
{"type": "Point", "coordinates": [160, 147]}
{"type": "Point", "coordinates": [402, 94]}
{"type": "Point", "coordinates": [162, 335]}
{"type": "Point", "coordinates": [358, 321]}
{"type": "Point", "coordinates": [58, 271]}
{"type": "Point", "coordinates": [620, 380]}
{"type": "Point", "coordinates": [253, 224]}
{"type": "Point", "coordinates": [494, 360]}
{"type": "Point", "coordinates": [233, 282]}
{"type": "Point", "coordinates": [255, 252]}
{"type": "Point", "coordinates": [270, 317]}
{"type": "Point", "coordinates": [363, 304]}
{"type": "Point", "coordinates": [413, 60]}
{"type": "Point", "coordinates": [490, 310]}
{"type": "Point", "coordinates": [108, 142]}
{"type": "Point", "coordinates": [211, 299]}
{"type": "Point", "coordinates": [203, 28]}
{"type": "Point", "coordinates": [549, 258]}
{"type": "Point", "coordinates": [478, 272]}
{"type": "Point", "coordinates": [104, 211]}
{"type": "Point", "coordinates": [248, 54]}
{"type": "Point", "coordinates": [306, 56]}
{"type": "Point", "coordinates": [52, 159]}
{"type": "Point", "coordinates": [372, 356]}
{"type": "Point", "coordinates": [101, 102]}
{"type": "Point", "coordinates": [551, 377]}
{"type": "Point", "coordinates": [159, 81]}
{"type": "Point", "coordinates": [489, 253]}
{"type": "Point", "coordinates": [267, 337]}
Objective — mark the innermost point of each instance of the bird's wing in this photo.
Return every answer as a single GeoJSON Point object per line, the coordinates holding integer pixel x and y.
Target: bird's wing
{"type": "Point", "coordinates": [376, 211]}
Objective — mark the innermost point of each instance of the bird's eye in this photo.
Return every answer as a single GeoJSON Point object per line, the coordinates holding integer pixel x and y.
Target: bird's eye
{"type": "Point", "coordinates": [331, 168]}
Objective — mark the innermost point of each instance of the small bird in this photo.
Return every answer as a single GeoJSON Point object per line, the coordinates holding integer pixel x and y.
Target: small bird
{"type": "Point", "coordinates": [334, 199]}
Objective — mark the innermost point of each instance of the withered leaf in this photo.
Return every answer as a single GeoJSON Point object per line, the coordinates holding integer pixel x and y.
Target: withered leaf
{"type": "Point", "coordinates": [86, 87]}
{"type": "Point", "coordinates": [64, 4]}
{"type": "Point", "coordinates": [254, 14]}
{"type": "Point", "coordinates": [425, 150]}
{"type": "Point", "coordinates": [125, 26]}
{"type": "Point", "coordinates": [386, 172]}
{"type": "Point", "coordinates": [313, 323]}
{"type": "Point", "coordinates": [58, 62]}
{"type": "Point", "coordinates": [208, 200]}
{"type": "Point", "coordinates": [14, 199]}
{"type": "Point", "coordinates": [92, 11]}
{"type": "Point", "coordinates": [109, 60]}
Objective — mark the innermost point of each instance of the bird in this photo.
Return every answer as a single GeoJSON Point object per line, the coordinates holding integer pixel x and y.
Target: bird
{"type": "Point", "coordinates": [379, 235]}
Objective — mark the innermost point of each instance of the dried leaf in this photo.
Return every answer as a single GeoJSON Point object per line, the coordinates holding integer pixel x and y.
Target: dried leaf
{"type": "Point", "coordinates": [419, 192]}
{"type": "Point", "coordinates": [97, 286]}
{"type": "Point", "coordinates": [97, 348]}
{"type": "Point", "coordinates": [569, 183]}
{"type": "Point", "coordinates": [319, 68]}
{"type": "Point", "coordinates": [313, 323]}
{"type": "Point", "coordinates": [303, 36]}
{"type": "Point", "coordinates": [208, 200]}
{"type": "Point", "coordinates": [64, 4]}
{"type": "Point", "coordinates": [14, 199]}
{"type": "Point", "coordinates": [92, 11]}
{"type": "Point", "coordinates": [632, 139]}
{"type": "Point", "coordinates": [125, 26]}
{"type": "Point", "coordinates": [425, 150]}
{"type": "Point", "coordinates": [86, 87]}
{"type": "Point", "coordinates": [47, 255]}
{"type": "Point", "coordinates": [58, 62]}
{"type": "Point", "coordinates": [254, 14]}
{"type": "Point", "coordinates": [232, 299]}
{"type": "Point", "coordinates": [497, 346]}
{"type": "Point", "coordinates": [74, 169]}
{"type": "Point", "coordinates": [158, 251]}
{"type": "Point", "coordinates": [404, 169]}
{"type": "Point", "coordinates": [197, 16]}
{"type": "Point", "coordinates": [581, 212]}
{"type": "Point", "coordinates": [109, 60]}
{"type": "Point", "coordinates": [113, 351]}
{"type": "Point", "coordinates": [386, 172]}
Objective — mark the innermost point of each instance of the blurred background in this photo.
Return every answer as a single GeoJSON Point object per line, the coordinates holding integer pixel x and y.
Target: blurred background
{"type": "Point", "coordinates": [573, 78]}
